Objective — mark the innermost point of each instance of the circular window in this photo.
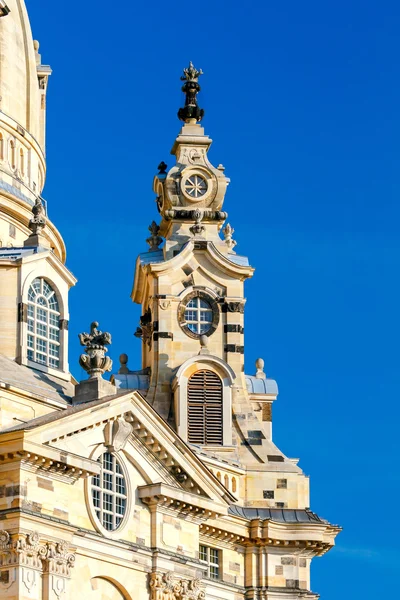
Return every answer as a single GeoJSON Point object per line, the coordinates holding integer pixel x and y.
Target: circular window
{"type": "Point", "coordinates": [195, 186]}
{"type": "Point", "coordinates": [109, 492]}
{"type": "Point", "coordinates": [198, 314]}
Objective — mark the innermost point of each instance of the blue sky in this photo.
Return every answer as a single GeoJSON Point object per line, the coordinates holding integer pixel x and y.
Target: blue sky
{"type": "Point", "coordinates": [302, 102]}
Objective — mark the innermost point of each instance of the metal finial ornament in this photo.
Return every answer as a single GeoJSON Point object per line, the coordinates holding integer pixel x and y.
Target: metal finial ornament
{"type": "Point", "coordinates": [154, 240]}
{"type": "Point", "coordinates": [38, 221]}
{"type": "Point", "coordinates": [191, 87]}
{"type": "Point", "coordinates": [95, 362]}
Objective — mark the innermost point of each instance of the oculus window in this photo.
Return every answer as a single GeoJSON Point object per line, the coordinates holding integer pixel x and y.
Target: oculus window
{"type": "Point", "coordinates": [109, 492]}
{"type": "Point", "coordinates": [43, 319]}
{"type": "Point", "coordinates": [195, 186]}
{"type": "Point", "coordinates": [198, 314]}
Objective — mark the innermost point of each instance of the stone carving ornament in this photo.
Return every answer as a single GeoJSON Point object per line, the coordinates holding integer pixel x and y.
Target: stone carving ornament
{"type": "Point", "coordinates": [146, 329]}
{"type": "Point", "coordinates": [166, 586]}
{"type": "Point", "coordinates": [26, 550]}
{"type": "Point", "coordinates": [116, 433]}
{"type": "Point", "coordinates": [155, 239]}
{"type": "Point", "coordinates": [228, 232]}
{"type": "Point", "coordinates": [95, 362]}
{"type": "Point", "coordinates": [38, 221]}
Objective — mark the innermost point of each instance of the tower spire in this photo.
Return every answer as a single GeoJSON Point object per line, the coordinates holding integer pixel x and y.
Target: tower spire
{"type": "Point", "coordinates": [191, 112]}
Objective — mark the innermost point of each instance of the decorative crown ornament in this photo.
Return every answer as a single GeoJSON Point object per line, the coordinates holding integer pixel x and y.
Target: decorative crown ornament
{"type": "Point", "coordinates": [191, 87]}
{"type": "Point", "coordinates": [191, 73]}
{"type": "Point", "coordinates": [95, 362]}
{"type": "Point", "coordinates": [38, 221]}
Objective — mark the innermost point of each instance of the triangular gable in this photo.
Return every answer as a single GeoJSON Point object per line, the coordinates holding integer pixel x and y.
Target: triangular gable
{"type": "Point", "coordinates": [144, 426]}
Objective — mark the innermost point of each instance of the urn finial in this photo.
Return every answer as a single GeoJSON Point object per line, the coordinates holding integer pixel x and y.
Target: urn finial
{"type": "Point", "coordinates": [228, 232]}
{"type": "Point", "coordinates": [260, 369]}
{"type": "Point", "coordinates": [155, 239]}
{"type": "Point", "coordinates": [95, 362]}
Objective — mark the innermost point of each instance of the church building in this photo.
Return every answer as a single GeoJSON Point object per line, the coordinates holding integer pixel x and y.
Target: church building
{"type": "Point", "coordinates": [159, 483]}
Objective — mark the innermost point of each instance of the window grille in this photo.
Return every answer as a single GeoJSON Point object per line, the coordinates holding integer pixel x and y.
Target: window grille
{"type": "Point", "coordinates": [212, 558]}
{"type": "Point", "coordinates": [205, 408]}
{"type": "Point", "coordinates": [43, 339]}
{"type": "Point", "coordinates": [198, 315]}
{"type": "Point", "coordinates": [109, 492]}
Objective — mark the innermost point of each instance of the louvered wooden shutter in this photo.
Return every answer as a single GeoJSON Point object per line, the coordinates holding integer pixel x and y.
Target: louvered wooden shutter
{"type": "Point", "coordinates": [205, 408]}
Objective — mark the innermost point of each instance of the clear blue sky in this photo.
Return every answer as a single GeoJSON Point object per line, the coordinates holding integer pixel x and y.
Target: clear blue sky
{"type": "Point", "coordinates": [302, 101]}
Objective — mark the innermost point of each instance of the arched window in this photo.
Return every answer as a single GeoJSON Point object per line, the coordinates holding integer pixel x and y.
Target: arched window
{"type": "Point", "coordinates": [22, 162]}
{"type": "Point", "coordinates": [1, 147]}
{"type": "Point", "coordinates": [43, 324]}
{"type": "Point", "coordinates": [13, 158]}
{"type": "Point", "coordinates": [233, 484]}
{"type": "Point", "coordinates": [205, 408]}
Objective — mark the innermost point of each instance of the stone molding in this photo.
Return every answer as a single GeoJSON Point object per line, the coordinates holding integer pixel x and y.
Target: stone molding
{"type": "Point", "coordinates": [166, 586]}
{"type": "Point", "coordinates": [27, 550]}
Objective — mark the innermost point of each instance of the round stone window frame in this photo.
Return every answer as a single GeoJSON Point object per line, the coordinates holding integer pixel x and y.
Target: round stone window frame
{"type": "Point", "coordinates": [112, 534]}
{"type": "Point", "coordinates": [203, 295]}
{"type": "Point", "coordinates": [204, 174]}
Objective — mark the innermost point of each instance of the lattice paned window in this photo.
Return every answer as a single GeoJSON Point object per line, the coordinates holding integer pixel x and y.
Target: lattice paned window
{"type": "Point", "coordinates": [43, 337]}
{"type": "Point", "coordinates": [212, 558]}
{"type": "Point", "coordinates": [198, 315]}
{"type": "Point", "coordinates": [205, 408]}
{"type": "Point", "coordinates": [109, 492]}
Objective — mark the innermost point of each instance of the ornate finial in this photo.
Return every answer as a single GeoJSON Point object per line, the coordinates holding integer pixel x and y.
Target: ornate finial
{"type": "Point", "coordinates": [123, 361]}
{"type": "Point", "coordinates": [260, 369]}
{"type": "Point", "coordinates": [191, 88]}
{"type": "Point", "coordinates": [154, 240]}
{"type": "Point", "coordinates": [228, 232]}
{"type": "Point", "coordinates": [38, 221]}
{"type": "Point", "coordinates": [191, 73]}
{"type": "Point", "coordinates": [197, 228]}
{"type": "Point", "coordinates": [94, 361]}
{"type": "Point", "coordinates": [162, 168]}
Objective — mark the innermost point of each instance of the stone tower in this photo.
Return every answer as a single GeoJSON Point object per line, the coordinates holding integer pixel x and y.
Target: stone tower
{"type": "Point", "coordinates": [34, 281]}
{"type": "Point", "coordinates": [162, 483]}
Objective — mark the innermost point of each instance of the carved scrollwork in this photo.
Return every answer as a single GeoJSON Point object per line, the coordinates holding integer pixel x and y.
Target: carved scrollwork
{"type": "Point", "coordinates": [58, 559]}
{"type": "Point", "coordinates": [166, 586]}
{"type": "Point", "coordinates": [26, 550]}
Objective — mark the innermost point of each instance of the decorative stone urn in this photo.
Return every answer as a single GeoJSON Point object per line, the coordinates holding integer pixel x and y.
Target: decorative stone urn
{"type": "Point", "coordinates": [95, 362]}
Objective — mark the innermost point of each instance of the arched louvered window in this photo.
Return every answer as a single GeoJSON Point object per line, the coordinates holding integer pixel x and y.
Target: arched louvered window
{"type": "Point", "coordinates": [205, 408]}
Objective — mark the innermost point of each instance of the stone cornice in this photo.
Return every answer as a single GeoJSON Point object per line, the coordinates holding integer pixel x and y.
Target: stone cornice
{"type": "Point", "coordinates": [313, 539]}
{"type": "Point", "coordinates": [180, 503]}
{"type": "Point", "coordinates": [54, 463]}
